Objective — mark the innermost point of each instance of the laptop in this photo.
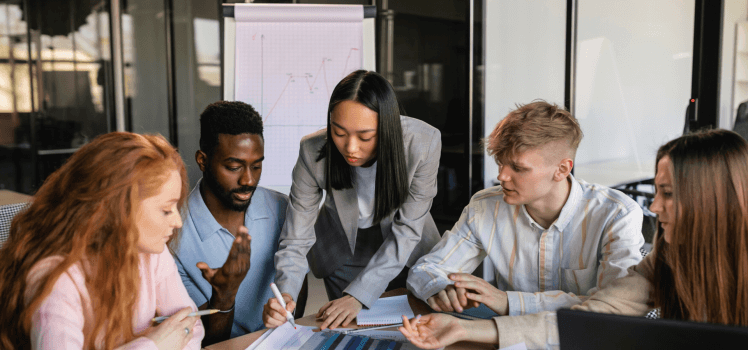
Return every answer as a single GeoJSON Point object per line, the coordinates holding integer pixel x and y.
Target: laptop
{"type": "Point", "coordinates": [588, 330]}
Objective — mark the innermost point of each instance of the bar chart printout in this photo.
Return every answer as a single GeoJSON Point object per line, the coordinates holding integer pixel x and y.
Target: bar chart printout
{"type": "Point", "coordinates": [286, 337]}
{"type": "Point", "coordinates": [287, 64]}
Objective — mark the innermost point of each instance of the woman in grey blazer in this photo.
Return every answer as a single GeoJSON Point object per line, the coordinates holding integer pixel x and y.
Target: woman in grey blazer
{"type": "Point", "coordinates": [378, 169]}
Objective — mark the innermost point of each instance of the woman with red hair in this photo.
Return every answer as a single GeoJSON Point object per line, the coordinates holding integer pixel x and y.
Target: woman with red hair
{"type": "Point", "coordinates": [86, 266]}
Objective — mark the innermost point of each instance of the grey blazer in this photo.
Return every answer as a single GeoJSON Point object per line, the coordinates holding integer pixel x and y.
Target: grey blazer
{"type": "Point", "coordinates": [322, 239]}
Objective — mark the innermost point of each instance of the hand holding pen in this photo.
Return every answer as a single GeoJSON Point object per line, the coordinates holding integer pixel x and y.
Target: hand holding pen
{"type": "Point", "coordinates": [275, 313]}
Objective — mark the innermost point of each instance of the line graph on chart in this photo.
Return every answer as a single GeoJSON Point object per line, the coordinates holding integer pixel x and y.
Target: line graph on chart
{"type": "Point", "coordinates": [311, 83]}
{"type": "Point", "coordinates": [288, 76]}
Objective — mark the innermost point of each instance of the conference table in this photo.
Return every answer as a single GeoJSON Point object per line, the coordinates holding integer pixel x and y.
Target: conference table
{"type": "Point", "coordinates": [418, 306]}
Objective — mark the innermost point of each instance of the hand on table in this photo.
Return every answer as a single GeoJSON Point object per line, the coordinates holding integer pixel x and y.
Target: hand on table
{"type": "Point", "coordinates": [226, 279]}
{"type": "Point", "coordinates": [451, 299]}
{"type": "Point", "coordinates": [172, 333]}
{"type": "Point", "coordinates": [433, 331]}
{"type": "Point", "coordinates": [479, 291]}
{"type": "Point", "coordinates": [273, 314]}
{"type": "Point", "coordinates": [339, 312]}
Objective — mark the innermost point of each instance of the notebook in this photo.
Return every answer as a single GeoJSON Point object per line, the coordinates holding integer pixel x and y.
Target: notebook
{"type": "Point", "coordinates": [385, 311]}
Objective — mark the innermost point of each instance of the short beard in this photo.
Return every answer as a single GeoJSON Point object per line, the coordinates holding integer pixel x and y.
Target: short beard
{"type": "Point", "coordinates": [224, 196]}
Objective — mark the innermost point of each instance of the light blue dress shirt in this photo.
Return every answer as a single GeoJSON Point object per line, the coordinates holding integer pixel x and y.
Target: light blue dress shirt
{"type": "Point", "coordinates": [595, 239]}
{"type": "Point", "coordinates": [204, 239]}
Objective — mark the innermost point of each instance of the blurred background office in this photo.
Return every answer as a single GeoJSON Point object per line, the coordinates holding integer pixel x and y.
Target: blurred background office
{"type": "Point", "coordinates": [74, 69]}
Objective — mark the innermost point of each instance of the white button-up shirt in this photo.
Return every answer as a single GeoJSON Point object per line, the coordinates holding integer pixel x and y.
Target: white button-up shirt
{"type": "Point", "coordinates": [596, 237]}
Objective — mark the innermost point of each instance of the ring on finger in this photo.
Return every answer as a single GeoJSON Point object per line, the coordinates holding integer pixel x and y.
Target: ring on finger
{"type": "Point", "coordinates": [186, 331]}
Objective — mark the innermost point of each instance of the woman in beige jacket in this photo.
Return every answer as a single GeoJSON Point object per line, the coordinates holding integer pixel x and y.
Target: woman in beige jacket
{"type": "Point", "coordinates": [698, 270]}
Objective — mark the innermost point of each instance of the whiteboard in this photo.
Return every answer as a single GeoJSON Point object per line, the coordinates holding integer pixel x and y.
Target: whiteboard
{"type": "Point", "coordinates": [285, 60]}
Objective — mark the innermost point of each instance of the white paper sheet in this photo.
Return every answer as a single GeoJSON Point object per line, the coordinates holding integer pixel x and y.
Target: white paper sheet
{"type": "Point", "coordinates": [287, 63]}
{"type": "Point", "coordinates": [283, 337]}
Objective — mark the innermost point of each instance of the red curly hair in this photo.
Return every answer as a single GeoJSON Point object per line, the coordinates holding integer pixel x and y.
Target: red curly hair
{"type": "Point", "coordinates": [84, 213]}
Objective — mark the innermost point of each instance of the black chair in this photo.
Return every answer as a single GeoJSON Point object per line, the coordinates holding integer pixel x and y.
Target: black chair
{"type": "Point", "coordinates": [741, 120]}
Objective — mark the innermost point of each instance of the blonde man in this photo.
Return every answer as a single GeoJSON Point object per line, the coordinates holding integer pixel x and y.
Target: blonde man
{"type": "Point", "coordinates": [553, 240]}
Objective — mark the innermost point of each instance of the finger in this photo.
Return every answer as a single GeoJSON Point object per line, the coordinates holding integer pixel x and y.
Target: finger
{"type": "Point", "coordinates": [461, 296]}
{"type": "Point", "coordinates": [406, 324]}
{"type": "Point", "coordinates": [432, 304]}
{"type": "Point", "coordinates": [443, 301]}
{"type": "Point", "coordinates": [208, 273]}
{"type": "Point", "coordinates": [339, 318]}
{"type": "Point", "coordinates": [479, 298]}
{"type": "Point", "coordinates": [404, 331]}
{"type": "Point", "coordinates": [276, 305]}
{"type": "Point", "coordinates": [329, 316]}
{"type": "Point", "coordinates": [452, 294]}
{"type": "Point", "coordinates": [462, 277]}
{"type": "Point", "coordinates": [243, 230]}
{"type": "Point", "coordinates": [290, 306]}
{"type": "Point", "coordinates": [474, 285]}
{"type": "Point", "coordinates": [446, 306]}
{"type": "Point", "coordinates": [348, 320]}
{"type": "Point", "coordinates": [189, 322]}
{"type": "Point", "coordinates": [275, 311]}
{"type": "Point", "coordinates": [321, 312]}
{"type": "Point", "coordinates": [269, 320]}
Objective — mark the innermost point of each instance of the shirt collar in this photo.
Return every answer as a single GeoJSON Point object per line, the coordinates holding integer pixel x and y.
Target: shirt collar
{"type": "Point", "coordinates": [207, 225]}
{"type": "Point", "coordinates": [567, 211]}
{"type": "Point", "coordinates": [570, 207]}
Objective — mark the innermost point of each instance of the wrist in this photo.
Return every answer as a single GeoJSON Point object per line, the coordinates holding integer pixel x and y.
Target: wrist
{"type": "Point", "coordinates": [221, 300]}
{"type": "Point", "coordinates": [463, 329]}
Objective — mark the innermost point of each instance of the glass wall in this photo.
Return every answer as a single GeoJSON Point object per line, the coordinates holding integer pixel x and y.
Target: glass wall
{"type": "Point", "coordinates": [56, 85]}
{"type": "Point", "coordinates": [633, 84]}
{"type": "Point", "coordinates": [144, 50]}
{"type": "Point", "coordinates": [524, 60]}
{"type": "Point", "coordinates": [197, 70]}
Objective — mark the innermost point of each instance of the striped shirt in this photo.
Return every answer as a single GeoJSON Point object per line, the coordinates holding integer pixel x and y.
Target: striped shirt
{"type": "Point", "coordinates": [596, 237]}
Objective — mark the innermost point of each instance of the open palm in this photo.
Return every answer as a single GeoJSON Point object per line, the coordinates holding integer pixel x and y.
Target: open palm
{"type": "Point", "coordinates": [433, 331]}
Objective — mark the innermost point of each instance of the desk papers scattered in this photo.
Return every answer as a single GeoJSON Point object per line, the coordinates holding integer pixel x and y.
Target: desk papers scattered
{"type": "Point", "coordinates": [286, 337]}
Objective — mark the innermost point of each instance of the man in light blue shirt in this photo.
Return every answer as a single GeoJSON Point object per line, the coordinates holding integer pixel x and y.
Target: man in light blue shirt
{"type": "Point", "coordinates": [552, 240]}
{"type": "Point", "coordinates": [227, 212]}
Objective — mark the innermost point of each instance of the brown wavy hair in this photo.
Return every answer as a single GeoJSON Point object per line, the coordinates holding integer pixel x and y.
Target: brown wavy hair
{"type": "Point", "coordinates": [702, 274]}
{"type": "Point", "coordinates": [84, 213]}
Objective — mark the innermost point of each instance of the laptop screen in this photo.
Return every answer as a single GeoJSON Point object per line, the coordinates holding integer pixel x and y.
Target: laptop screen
{"type": "Point", "coordinates": [588, 330]}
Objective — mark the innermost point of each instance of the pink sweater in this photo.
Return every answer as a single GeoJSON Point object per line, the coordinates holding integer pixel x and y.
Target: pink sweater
{"type": "Point", "coordinates": [59, 322]}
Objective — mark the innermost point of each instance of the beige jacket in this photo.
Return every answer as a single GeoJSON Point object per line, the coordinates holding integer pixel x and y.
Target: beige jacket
{"type": "Point", "coordinates": [630, 295]}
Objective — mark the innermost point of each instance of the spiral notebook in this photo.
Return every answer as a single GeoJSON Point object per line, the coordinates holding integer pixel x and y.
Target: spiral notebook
{"type": "Point", "coordinates": [385, 311]}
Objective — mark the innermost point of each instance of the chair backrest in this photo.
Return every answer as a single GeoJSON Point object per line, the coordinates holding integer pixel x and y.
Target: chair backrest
{"type": "Point", "coordinates": [7, 213]}
{"type": "Point", "coordinates": [741, 120]}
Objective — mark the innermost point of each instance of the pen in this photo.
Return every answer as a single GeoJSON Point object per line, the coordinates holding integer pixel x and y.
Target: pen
{"type": "Point", "coordinates": [278, 296]}
{"type": "Point", "coordinates": [372, 328]}
{"type": "Point", "coordinates": [199, 313]}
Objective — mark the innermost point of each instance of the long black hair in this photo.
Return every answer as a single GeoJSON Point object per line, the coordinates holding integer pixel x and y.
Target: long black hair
{"type": "Point", "coordinates": [375, 93]}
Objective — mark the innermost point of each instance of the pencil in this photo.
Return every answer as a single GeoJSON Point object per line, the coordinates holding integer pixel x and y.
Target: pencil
{"type": "Point", "coordinates": [199, 313]}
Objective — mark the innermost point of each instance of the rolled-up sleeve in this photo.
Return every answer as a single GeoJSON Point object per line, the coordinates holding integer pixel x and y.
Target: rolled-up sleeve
{"type": "Point", "coordinates": [458, 251]}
